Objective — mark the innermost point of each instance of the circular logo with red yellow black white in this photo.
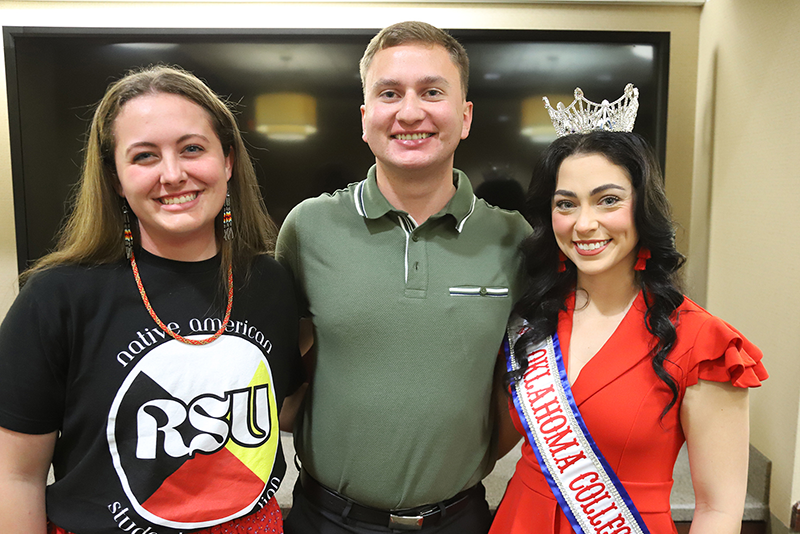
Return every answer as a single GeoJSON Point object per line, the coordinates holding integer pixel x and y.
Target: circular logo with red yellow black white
{"type": "Point", "coordinates": [193, 432]}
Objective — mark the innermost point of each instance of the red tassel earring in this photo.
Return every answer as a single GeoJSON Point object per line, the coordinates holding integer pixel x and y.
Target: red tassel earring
{"type": "Point", "coordinates": [562, 258]}
{"type": "Point", "coordinates": [642, 257]}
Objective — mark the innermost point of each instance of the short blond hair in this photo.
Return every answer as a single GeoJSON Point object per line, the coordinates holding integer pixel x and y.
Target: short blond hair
{"type": "Point", "coordinates": [414, 32]}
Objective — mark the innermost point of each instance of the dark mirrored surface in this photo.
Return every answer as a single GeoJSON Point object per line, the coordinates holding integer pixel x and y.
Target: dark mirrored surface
{"type": "Point", "coordinates": [55, 76]}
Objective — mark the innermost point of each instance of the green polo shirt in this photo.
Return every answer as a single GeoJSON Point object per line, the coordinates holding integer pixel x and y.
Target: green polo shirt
{"type": "Point", "coordinates": [408, 321]}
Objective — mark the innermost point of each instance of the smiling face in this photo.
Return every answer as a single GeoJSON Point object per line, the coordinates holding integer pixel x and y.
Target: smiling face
{"type": "Point", "coordinates": [173, 172]}
{"type": "Point", "coordinates": [593, 216]}
{"type": "Point", "coordinates": [414, 113]}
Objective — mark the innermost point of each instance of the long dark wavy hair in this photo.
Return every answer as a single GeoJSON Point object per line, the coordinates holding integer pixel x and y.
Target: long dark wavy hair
{"type": "Point", "coordinates": [547, 289]}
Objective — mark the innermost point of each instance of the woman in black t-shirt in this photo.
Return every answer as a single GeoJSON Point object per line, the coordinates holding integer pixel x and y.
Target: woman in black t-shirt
{"type": "Point", "coordinates": [124, 360]}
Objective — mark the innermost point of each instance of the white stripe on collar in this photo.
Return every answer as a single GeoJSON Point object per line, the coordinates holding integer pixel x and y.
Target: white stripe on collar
{"type": "Point", "coordinates": [358, 197]}
{"type": "Point", "coordinates": [460, 225]}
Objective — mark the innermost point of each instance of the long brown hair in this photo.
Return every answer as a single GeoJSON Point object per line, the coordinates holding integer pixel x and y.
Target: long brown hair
{"type": "Point", "coordinates": [92, 234]}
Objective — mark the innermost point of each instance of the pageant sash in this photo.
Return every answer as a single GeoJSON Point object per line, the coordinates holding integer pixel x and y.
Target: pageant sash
{"type": "Point", "coordinates": [585, 486]}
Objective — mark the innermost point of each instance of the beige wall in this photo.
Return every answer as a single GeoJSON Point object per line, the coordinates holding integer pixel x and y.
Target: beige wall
{"type": "Point", "coordinates": [740, 152]}
{"type": "Point", "coordinates": [747, 163]}
{"type": "Point", "coordinates": [730, 176]}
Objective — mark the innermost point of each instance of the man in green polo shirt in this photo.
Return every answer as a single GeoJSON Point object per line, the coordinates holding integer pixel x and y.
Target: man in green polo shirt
{"type": "Point", "coordinates": [409, 280]}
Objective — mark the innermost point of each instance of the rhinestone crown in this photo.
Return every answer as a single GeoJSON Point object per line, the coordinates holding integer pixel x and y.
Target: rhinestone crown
{"type": "Point", "coordinates": [584, 116]}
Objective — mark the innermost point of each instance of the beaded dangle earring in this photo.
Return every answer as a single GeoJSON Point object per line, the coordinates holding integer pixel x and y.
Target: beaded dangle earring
{"type": "Point", "coordinates": [127, 235]}
{"type": "Point", "coordinates": [227, 218]}
{"type": "Point", "coordinates": [641, 259]}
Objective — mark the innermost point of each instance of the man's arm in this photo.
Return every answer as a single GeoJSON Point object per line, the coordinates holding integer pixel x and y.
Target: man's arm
{"type": "Point", "coordinates": [506, 433]}
{"type": "Point", "coordinates": [292, 403]}
{"type": "Point", "coordinates": [286, 254]}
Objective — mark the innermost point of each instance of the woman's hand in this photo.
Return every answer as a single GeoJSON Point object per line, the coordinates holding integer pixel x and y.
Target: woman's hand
{"type": "Point", "coordinates": [24, 464]}
{"type": "Point", "coordinates": [308, 351]}
{"type": "Point", "coordinates": [715, 419]}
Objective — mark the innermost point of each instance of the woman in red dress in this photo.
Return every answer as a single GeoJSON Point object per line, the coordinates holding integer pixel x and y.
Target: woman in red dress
{"type": "Point", "coordinates": [648, 368]}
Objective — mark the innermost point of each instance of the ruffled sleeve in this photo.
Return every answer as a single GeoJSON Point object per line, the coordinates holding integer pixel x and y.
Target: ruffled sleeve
{"type": "Point", "coordinates": [722, 354]}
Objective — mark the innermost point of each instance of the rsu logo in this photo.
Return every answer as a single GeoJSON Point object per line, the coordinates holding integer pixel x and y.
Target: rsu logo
{"type": "Point", "coordinates": [195, 420]}
{"type": "Point", "coordinates": [204, 425]}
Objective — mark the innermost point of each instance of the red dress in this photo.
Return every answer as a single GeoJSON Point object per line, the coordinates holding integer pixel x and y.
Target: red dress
{"type": "Point", "coordinates": [621, 399]}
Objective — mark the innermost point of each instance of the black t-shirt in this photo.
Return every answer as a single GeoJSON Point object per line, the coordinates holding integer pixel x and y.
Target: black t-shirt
{"type": "Point", "coordinates": [156, 436]}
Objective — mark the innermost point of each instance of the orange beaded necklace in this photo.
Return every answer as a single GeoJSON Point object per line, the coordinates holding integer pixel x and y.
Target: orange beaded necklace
{"type": "Point", "coordinates": [165, 328]}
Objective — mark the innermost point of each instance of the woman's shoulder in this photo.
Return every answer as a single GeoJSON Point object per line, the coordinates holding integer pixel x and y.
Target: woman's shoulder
{"type": "Point", "coordinates": [267, 274]}
{"type": "Point", "coordinates": [60, 288]}
{"type": "Point", "coordinates": [713, 349]}
{"type": "Point", "coordinates": [694, 319]}
{"type": "Point", "coordinates": [266, 264]}
{"type": "Point", "coordinates": [690, 313]}
{"type": "Point", "coordinates": [70, 276]}
{"type": "Point", "coordinates": [696, 326]}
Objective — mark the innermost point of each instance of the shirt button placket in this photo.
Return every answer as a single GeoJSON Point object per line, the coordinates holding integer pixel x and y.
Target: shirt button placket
{"type": "Point", "coordinates": [417, 262]}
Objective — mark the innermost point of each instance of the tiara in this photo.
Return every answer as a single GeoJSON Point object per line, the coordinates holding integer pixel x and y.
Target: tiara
{"type": "Point", "coordinates": [584, 116]}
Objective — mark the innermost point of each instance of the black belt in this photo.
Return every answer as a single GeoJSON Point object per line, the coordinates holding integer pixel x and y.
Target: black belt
{"type": "Point", "coordinates": [408, 519]}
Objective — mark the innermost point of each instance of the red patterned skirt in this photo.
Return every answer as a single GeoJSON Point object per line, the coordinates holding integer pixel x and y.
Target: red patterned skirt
{"type": "Point", "coordinates": [268, 520]}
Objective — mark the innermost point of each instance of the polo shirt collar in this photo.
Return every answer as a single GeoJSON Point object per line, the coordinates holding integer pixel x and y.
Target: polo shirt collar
{"type": "Point", "coordinates": [371, 204]}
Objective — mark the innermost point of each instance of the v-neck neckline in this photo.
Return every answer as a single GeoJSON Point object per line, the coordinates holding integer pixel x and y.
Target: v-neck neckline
{"type": "Point", "coordinates": [601, 369]}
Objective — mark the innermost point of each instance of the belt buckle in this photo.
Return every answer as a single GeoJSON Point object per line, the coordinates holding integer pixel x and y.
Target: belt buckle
{"type": "Point", "coordinates": [405, 522]}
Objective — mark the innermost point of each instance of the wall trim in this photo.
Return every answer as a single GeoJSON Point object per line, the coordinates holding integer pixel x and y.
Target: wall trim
{"type": "Point", "coordinates": [563, 2]}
